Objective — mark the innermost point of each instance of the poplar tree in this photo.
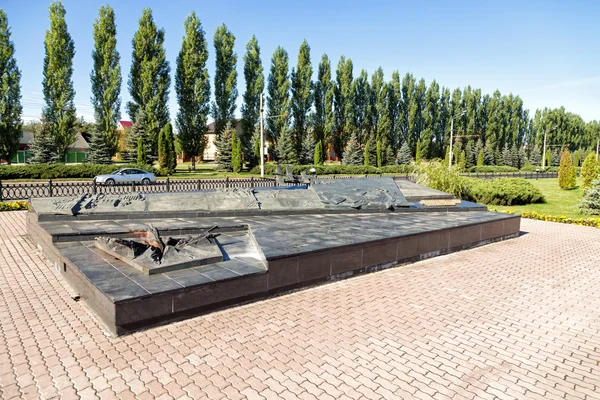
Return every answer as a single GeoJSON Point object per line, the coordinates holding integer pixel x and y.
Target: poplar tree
{"type": "Point", "coordinates": [142, 156]}
{"type": "Point", "coordinates": [361, 98]}
{"type": "Point", "coordinates": [226, 93]}
{"type": "Point", "coordinates": [324, 118]}
{"type": "Point", "coordinates": [10, 94]}
{"type": "Point", "coordinates": [106, 83]}
{"type": "Point", "coordinates": [255, 84]}
{"type": "Point", "coordinates": [343, 101]}
{"type": "Point", "coordinates": [59, 94]}
{"type": "Point", "coordinates": [192, 86]}
{"type": "Point", "coordinates": [149, 79]}
{"type": "Point", "coordinates": [278, 95]}
{"type": "Point", "coordinates": [431, 117]}
{"type": "Point", "coordinates": [301, 96]}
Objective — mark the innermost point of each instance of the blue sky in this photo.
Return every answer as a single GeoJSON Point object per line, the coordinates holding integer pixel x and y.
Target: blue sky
{"type": "Point", "coordinates": [544, 51]}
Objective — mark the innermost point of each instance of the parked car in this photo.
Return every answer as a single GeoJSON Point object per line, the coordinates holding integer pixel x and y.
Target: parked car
{"type": "Point", "coordinates": [127, 175]}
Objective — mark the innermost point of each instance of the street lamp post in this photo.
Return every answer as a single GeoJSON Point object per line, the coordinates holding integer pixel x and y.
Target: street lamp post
{"type": "Point", "coordinates": [262, 140]}
{"type": "Point", "coordinates": [452, 137]}
{"type": "Point", "coordinates": [597, 148]}
{"type": "Point", "coordinates": [544, 152]}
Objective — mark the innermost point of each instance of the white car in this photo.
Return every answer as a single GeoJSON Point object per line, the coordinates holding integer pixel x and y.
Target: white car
{"type": "Point", "coordinates": [127, 175]}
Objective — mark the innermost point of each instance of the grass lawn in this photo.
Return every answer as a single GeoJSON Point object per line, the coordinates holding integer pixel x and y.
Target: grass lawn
{"type": "Point", "coordinates": [558, 202]}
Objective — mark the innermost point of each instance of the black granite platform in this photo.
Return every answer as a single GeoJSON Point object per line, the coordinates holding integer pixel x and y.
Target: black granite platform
{"type": "Point", "coordinates": [264, 253]}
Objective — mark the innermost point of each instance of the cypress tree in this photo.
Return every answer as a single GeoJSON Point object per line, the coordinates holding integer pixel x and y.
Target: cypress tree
{"type": "Point", "coordinates": [576, 158]}
{"type": "Point", "coordinates": [480, 158]}
{"type": "Point", "coordinates": [192, 86]}
{"type": "Point", "coordinates": [99, 151]}
{"type": "Point", "coordinates": [366, 154]}
{"type": "Point", "coordinates": [172, 159]}
{"type": "Point", "coordinates": [163, 149]}
{"type": "Point", "coordinates": [286, 151]}
{"type": "Point", "coordinates": [404, 154]}
{"type": "Point", "coordinates": [380, 154]}
{"type": "Point", "coordinates": [324, 118]}
{"type": "Point", "coordinates": [567, 177]}
{"type": "Point", "coordinates": [255, 150]}
{"type": "Point", "coordinates": [418, 152]}
{"type": "Point", "coordinates": [353, 155]}
{"type": "Point", "coordinates": [589, 171]}
{"type": "Point", "coordinates": [106, 83]}
{"type": "Point", "coordinates": [236, 154]}
{"type": "Point", "coordinates": [224, 147]}
{"type": "Point", "coordinates": [223, 108]}
{"type": "Point", "coordinates": [318, 155]}
{"type": "Point", "coordinates": [142, 157]}
{"type": "Point", "coordinates": [149, 79]}
{"type": "Point", "coordinates": [255, 84]}
{"type": "Point", "coordinates": [462, 161]}
{"type": "Point", "coordinates": [10, 94]}
{"type": "Point", "coordinates": [278, 95]}
{"type": "Point", "coordinates": [59, 93]}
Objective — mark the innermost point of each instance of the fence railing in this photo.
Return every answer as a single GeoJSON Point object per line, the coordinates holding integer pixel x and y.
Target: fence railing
{"type": "Point", "coordinates": [24, 191]}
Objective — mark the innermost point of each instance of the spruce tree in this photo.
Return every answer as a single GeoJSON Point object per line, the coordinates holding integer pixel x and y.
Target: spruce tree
{"type": "Point", "coordinates": [106, 83]}
{"type": "Point", "coordinates": [318, 154]}
{"type": "Point", "coordinates": [139, 129]}
{"type": "Point", "coordinates": [590, 203]}
{"type": "Point", "coordinates": [142, 157]}
{"type": "Point", "coordinates": [535, 158]}
{"type": "Point", "coordinates": [404, 154]}
{"type": "Point", "coordinates": [224, 149]}
{"type": "Point", "coordinates": [99, 151]}
{"type": "Point", "coordinates": [42, 149]}
{"type": "Point", "coordinates": [390, 156]}
{"type": "Point", "coordinates": [521, 157]}
{"type": "Point", "coordinates": [353, 154]}
{"type": "Point", "coordinates": [567, 177]}
{"type": "Point", "coordinates": [506, 156]}
{"type": "Point", "coordinates": [59, 93]}
{"type": "Point", "coordinates": [149, 79]}
{"type": "Point", "coordinates": [556, 158]}
{"type": "Point", "coordinates": [236, 153]}
{"type": "Point", "coordinates": [324, 118]}
{"type": "Point", "coordinates": [469, 155]}
{"type": "Point", "coordinates": [278, 95]}
{"type": "Point", "coordinates": [255, 84]}
{"type": "Point", "coordinates": [10, 94]}
{"type": "Point", "coordinates": [301, 101]}
{"type": "Point", "coordinates": [192, 86]}
{"type": "Point", "coordinates": [589, 171]}
{"type": "Point", "coordinates": [226, 93]}
{"type": "Point", "coordinates": [488, 154]}
{"type": "Point", "coordinates": [286, 151]}
{"type": "Point", "coordinates": [307, 151]}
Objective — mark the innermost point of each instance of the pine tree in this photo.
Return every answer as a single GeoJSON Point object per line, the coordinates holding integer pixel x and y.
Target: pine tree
{"type": "Point", "coordinates": [226, 93]}
{"type": "Point", "coordinates": [278, 95]}
{"type": "Point", "coordinates": [106, 83]}
{"type": "Point", "coordinates": [255, 84]}
{"type": "Point", "coordinates": [149, 80]}
{"type": "Point", "coordinates": [286, 151]}
{"type": "Point", "coordinates": [318, 155]}
{"type": "Point", "coordinates": [142, 157]}
{"type": "Point", "coordinates": [302, 96]}
{"type": "Point", "coordinates": [10, 94]}
{"type": "Point", "coordinates": [224, 148]}
{"type": "Point", "coordinates": [353, 154]}
{"type": "Point", "coordinates": [42, 149]}
{"type": "Point", "coordinates": [192, 86]}
{"type": "Point", "coordinates": [567, 177]}
{"type": "Point", "coordinates": [589, 171]}
{"type": "Point", "coordinates": [404, 154]}
{"type": "Point", "coordinates": [139, 129]}
{"type": "Point", "coordinates": [324, 118]}
{"type": "Point", "coordinates": [236, 153]}
{"type": "Point", "coordinates": [480, 158]}
{"type": "Point", "coordinates": [99, 151]}
{"type": "Point", "coordinates": [59, 93]}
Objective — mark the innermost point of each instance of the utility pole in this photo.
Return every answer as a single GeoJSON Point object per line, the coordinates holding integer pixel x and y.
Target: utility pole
{"type": "Point", "coordinates": [262, 140]}
{"type": "Point", "coordinates": [597, 148]}
{"type": "Point", "coordinates": [544, 152]}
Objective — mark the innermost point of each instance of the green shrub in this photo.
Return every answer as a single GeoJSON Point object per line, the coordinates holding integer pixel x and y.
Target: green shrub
{"type": "Point", "coordinates": [504, 191]}
{"type": "Point", "coordinates": [590, 203]}
{"type": "Point", "coordinates": [493, 168]}
{"type": "Point", "coordinates": [567, 177]}
{"type": "Point", "coordinates": [13, 205]}
{"type": "Point", "coordinates": [54, 171]}
{"type": "Point", "coordinates": [589, 171]}
{"type": "Point", "coordinates": [340, 169]}
{"type": "Point", "coordinates": [438, 176]}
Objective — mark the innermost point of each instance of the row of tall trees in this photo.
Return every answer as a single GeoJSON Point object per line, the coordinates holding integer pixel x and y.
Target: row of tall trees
{"type": "Point", "coordinates": [306, 116]}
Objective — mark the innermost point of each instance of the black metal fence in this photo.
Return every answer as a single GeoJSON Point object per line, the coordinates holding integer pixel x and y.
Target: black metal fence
{"type": "Point", "coordinates": [24, 191]}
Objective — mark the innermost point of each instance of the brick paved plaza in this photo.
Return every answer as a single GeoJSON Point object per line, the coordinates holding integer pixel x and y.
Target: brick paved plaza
{"type": "Point", "coordinates": [515, 319]}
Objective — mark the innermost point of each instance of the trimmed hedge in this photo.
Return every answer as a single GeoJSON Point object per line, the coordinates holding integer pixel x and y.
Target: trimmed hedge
{"type": "Point", "coordinates": [593, 222]}
{"type": "Point", "coordinates": [13, 205]}
{"type": "Point", "coordinates": [53, 171]}
{"type": "Point", "coordinates": [503, 191]}
{"type": "Point", "coordinates": [339, 169]}
{"type": "Point", "coordinates": [533, 168]}
{"type": "Point", "coordinates": [493, 168]}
